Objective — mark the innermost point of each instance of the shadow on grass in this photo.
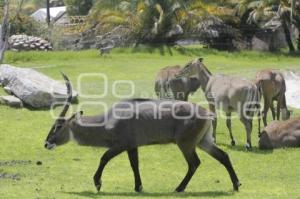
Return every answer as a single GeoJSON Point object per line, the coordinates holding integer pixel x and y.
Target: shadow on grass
{"type": "Point", "coordinates": [168, 49]}
{"type": "Point", "coordinates": [211, 194]}
{"type": "Point", "coordinates": [240, 148]}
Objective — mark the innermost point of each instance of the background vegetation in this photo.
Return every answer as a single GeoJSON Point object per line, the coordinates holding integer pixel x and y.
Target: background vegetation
{"type": "Point", "coordinates": [67, 171]}
{"type": "Point", "coordinates": [152, 21]}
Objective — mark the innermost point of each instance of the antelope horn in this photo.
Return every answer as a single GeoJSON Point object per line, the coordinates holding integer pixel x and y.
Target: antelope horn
{"type": "Point", "coordinates": [69, 99]}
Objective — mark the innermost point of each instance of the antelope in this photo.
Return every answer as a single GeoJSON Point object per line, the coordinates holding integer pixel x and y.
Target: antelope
{"type": "Point", "coordinates": [161, 86]}
{"type": "Point", "coordinates": [105, 50]}
{"type": "Point", "coordinates": [273, 89]}
{"type": "Point", "coordinates": [280, 134]}
{"type": "Point", "coordinates": [132, 123]}
{"type": "Point", "coordinates": [167, 81]}
{"type": "Point", "coordinates": [226, 93]}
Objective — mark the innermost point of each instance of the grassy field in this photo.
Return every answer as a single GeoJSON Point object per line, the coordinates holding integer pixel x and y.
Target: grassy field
{"type": "Point", "coordinates": [67, 171]}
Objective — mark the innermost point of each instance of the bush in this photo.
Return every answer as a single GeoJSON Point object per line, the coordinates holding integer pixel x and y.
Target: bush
{"type": "Point", "coordinates": [25, 25]}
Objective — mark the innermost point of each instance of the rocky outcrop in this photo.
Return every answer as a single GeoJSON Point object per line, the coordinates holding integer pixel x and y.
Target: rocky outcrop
{"type": "Point", "coordinates": [217, 34]}
{"type": "Point", "coordinates": [120, 36]}
{"type": "Point", "coordinates": [270, 37]}
{"type": "Point", "coordinates": [25, 42]}
{"type": "Point", "coordinates": [33, 88]}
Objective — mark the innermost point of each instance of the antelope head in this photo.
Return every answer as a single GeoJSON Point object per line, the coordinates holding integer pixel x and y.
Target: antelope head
{"type": "Point", "coordinates": [264, 141]}
{"type": "Point", "coordinates": [193, 68]}
{"type": "Point", "coordinates": [60, 133]}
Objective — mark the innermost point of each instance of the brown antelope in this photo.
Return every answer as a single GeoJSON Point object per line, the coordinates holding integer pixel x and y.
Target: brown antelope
{"type": "Point", "coordinates": [180, 87]}
{"type": "Point", "coordinates": [229, 94]}
{"type": "Point", "coordinates": [280, 134]}
{"type": "Point", "coordinates": [273, 88]}
{"type": "Point", "coordinates": [132, 123]}
{"type": "Point", "coordinates": [161, 86]}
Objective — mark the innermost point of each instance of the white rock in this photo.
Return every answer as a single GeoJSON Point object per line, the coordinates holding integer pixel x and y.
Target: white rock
{"type": "Point", "coordinates": [7, 90]}
{"type": "Point", "coordinates": [32, 87]}
{"type": "Point", "coordinates": [11, 101]}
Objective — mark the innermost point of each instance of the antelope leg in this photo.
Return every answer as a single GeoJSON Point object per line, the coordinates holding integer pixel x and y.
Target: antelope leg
{"type": "Point", "coordinates": [228, 123]}
{"type": "Point", "coordinates": [223, 158]}
{"type": "Point", "coordinates": [248, 126]}
{"type": "Point", "coordinates": [107, 156]}
{"type": "Point", "coordinates": [193, 163]}
{"type": "Point", "coordinates": [212, 108]}
{"type": "Point", "coordinates": [265, 112]}
{"type": "Point", "coordinates": [279, 102]}
{"type": "Point", "coordinates": [272, 110]}
{"type": "Point", "coordinates": [134, 162]}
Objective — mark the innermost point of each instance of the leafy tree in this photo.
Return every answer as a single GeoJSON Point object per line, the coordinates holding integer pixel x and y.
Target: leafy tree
{"type": "Point", "coordinates": [78, 7]}
{"type": "Point", "coordinates": [295, 17]}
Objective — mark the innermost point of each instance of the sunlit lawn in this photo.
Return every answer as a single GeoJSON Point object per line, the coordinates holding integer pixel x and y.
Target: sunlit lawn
{"type": "Point", "coordinates": [67, 171]}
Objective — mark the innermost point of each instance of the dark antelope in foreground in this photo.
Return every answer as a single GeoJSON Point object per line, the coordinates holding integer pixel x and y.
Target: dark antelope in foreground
{"type": "Point", "coordinates": [273, 88]}
{"type": "Point", "coordinates": [281, 134]}
{"type": "Point", "coordinates": [137, 122]}
{"type": "Point", "coordinates": [226, 93]}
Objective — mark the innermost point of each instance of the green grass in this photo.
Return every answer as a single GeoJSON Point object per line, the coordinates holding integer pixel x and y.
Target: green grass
{"type": "Point", "coordinates": [67, 171]}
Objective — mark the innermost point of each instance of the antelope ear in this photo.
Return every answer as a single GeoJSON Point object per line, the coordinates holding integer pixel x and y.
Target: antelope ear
{"type": "Point", "coordinates": [76, 115]}
{"type": "Point", "coordinates": [200, 59]}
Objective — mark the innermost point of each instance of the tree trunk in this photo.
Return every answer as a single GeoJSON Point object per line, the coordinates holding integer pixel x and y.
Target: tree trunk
{"type": "Point", "coordinates": [48, 12]}
{"type": "Point", "coordinates": [5, 28]}
{"type": "Point", "coordinates": [287, 34]}
{"type": "Point", "coordinates": [298, 46]}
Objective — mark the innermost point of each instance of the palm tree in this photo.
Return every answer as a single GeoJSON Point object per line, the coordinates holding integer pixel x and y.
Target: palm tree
{"type": "Point", "coordinates": [151, 20]}
{"type": "Point", "coordinates": [295, 18]}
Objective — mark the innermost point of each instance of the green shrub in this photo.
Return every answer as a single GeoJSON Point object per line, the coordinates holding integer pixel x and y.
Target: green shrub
{"type": "Point", "coordinates": [24, 25]}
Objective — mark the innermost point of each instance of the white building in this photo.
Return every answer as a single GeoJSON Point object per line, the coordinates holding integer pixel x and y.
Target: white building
{"type": "Point", "coordinates": [58, 15]}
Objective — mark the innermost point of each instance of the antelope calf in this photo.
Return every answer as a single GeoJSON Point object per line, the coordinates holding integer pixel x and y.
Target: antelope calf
{"type": "Point", "coordinates": [281, 134]}
{"type": "Point", "coordinates": [273, 88]}
{"type": "Point", "coordinates": [162, 79]}
{"type": "Point", "coordinates": [132, 123]}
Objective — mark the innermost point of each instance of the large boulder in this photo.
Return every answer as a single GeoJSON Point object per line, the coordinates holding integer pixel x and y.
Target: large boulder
{"type": "Point", "coordinates": [215, 33]}
{"type": "Point", "coordinates": [120, 36]}
{"type": "Point", "coordinates": [270, 35]}
{"type": "Point", "coordinates": [33, 88]}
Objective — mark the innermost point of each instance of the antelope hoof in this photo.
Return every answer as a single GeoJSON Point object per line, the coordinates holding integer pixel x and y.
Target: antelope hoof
{"type": "Point", "coordinates": [248, 147]}
{"type": "Point", "coordinates": [232, 143]}
{"type": "Point", "coordinates": [179, 190]}
{"type": "Point", "coordinates": [236, 186]}
{"type": "Point", "coordinates": [138, 188]}
{"type": "Point", "coordinates": [98, 185]}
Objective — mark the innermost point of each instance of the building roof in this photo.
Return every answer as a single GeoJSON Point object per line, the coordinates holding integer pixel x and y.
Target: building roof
{"type": "Point", "coordinates": [55, 13]}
